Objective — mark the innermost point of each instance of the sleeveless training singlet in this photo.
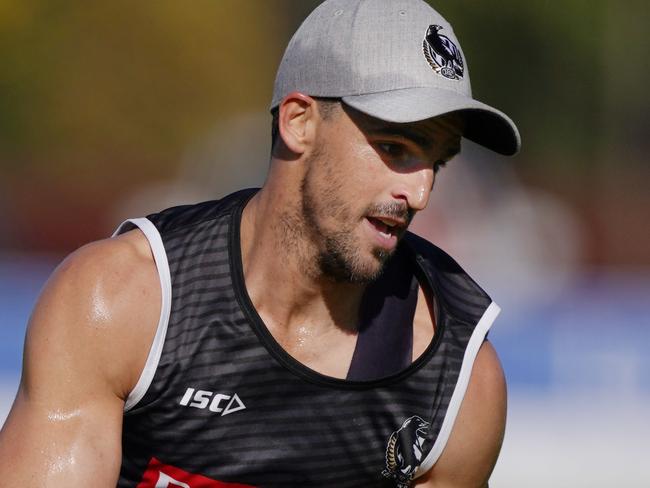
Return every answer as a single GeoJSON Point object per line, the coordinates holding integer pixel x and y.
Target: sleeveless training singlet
{"type": "Point", "coordinates": [221, 404]}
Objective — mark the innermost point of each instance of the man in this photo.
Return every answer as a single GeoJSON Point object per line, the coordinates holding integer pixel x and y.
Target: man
{"type": "Point", "coordinates": [291, 336]}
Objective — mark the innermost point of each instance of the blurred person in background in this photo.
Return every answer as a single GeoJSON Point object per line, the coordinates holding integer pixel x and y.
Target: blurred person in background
{"type": "Point", "coordinates": [295, 335]}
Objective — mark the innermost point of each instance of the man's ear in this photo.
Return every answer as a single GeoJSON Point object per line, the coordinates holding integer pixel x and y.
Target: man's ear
{"type": "Point", "coordinates": [297, 121]}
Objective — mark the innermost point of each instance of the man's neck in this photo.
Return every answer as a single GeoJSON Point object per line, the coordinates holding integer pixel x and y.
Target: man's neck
{"type": "Point", "coordinates": [281, 273]}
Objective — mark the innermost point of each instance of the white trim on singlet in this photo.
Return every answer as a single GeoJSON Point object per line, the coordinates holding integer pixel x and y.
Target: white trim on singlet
{"type": "Point", "coordinates": [474, 344]}
{"type": "Point", "coordinates": [160, 257]}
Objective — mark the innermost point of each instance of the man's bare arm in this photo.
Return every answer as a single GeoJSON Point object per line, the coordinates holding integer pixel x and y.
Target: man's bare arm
{"type": "Point", "coordinates": [477, 435]}
{"type": "Point", "coordinates": [86, 344]}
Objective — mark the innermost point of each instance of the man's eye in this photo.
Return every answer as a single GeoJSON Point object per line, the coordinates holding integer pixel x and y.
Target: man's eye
{"type": "Point", "coordinates": [391, 149]}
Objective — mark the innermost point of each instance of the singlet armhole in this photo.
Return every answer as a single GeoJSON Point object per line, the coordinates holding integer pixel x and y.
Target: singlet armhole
{"type": "Point", "coordinates": [162, 265]}
{"type": "Point", "coordinates": [473, 346]}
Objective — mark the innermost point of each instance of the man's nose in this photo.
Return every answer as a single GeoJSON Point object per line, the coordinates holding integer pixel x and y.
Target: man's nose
{"type": "Point", "coordinates": [415, 188]}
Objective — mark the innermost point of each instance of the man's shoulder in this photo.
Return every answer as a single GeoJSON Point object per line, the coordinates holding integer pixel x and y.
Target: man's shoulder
{"type": "Point", "coordinates": [104, 297]}
{"type": "Point", "coordinates": [118, 259]}
{"type": "Point", "coordinates": [117, 274]}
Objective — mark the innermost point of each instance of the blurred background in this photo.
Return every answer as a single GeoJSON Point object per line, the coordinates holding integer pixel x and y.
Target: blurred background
{"type": "Point", "coordinates": [111, 110]}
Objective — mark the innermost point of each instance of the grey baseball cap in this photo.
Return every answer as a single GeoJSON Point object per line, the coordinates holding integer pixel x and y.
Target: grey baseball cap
{"type": "Point", "coordinates": [395, 60]}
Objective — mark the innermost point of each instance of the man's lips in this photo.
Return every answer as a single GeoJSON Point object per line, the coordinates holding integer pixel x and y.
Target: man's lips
{"type": "Point", "coordinates": [387, 225]}
{"type": "Point", "coordinates": [394, 223]}
{"type": "Point", "coordinates": [391, 221]}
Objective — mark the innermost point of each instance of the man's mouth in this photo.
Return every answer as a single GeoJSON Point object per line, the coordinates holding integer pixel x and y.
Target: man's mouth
{"type": "Point", "coordinates": [389, 222]}
{"type": "Point", "coordinates": [386, 227]}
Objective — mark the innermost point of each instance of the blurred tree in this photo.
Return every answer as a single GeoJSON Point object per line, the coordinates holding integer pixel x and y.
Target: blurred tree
{"type": "Point", "coordinates": [540, 61]}
{"type": "Point", "coordinates": [97, 97]}
{"type": "Point", "coordinates": [95, 86]}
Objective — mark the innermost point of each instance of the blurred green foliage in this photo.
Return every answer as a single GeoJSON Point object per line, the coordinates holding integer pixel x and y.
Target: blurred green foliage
{"type": "Point", "coordinates": [542, 67]}
{"type": "Point", "coordinates": [98, 97]}
{"type": "Point", "coordinates": [569, 72]}
{"type": "Point", "coordinates": [87, 85]}
{"type": "Point", "coordinates": [84, 84]}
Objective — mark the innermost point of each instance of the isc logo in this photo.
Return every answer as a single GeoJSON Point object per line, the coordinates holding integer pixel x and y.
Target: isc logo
{"type": "Point", "coordinates": [215, 402]}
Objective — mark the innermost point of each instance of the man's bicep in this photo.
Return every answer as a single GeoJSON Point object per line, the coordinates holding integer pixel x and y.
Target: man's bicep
{"type": "Point", "coordinates": [42, 444]}
{"type": "Point", "coordinates": [475, 442]}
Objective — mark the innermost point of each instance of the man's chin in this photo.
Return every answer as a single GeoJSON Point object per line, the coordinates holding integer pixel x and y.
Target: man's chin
{"type": "Point", "coordinates": [382, 255]}
{"type": "Point", "coordinates": [348, 260]}
{"type": "Point", "coordinates": [355, 270]}
{"type": "Point", "coordinates": [372, 268]}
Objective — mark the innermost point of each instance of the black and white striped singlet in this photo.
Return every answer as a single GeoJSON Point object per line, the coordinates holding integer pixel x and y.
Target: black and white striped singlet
{"type": "Point", "coordinates": [221, 404]}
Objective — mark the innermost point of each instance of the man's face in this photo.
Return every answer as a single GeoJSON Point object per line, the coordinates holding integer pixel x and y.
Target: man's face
{"type": "Point", "coordinates": [365, 181]}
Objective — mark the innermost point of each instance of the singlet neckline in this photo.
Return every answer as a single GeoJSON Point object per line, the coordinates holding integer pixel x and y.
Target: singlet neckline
{"type": "Point", "coordinates": [280, 354]}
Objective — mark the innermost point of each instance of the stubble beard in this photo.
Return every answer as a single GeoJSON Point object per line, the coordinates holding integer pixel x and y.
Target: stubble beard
{"type": "Point", "coordinates": [339, 256]}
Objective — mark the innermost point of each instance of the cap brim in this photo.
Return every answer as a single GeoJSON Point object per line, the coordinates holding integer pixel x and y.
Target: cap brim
{"type": "Point", "coordinates": [484, 125]}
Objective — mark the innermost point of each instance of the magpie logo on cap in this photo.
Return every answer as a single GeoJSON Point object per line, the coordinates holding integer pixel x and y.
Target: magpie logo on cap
{"type": "Point", "coordinates": [442, 54]}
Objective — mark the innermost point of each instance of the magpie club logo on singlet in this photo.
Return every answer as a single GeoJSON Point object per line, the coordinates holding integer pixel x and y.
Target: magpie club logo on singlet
{"type": "Point", "coordinates": [215, 402]}
{"type": "Point", "coordinates": [405, 451]}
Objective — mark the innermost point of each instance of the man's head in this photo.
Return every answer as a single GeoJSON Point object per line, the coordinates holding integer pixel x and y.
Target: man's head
{"type": "Point", "coordinates": [371, 97]}
{"type": "Point", "coordinates": [361, 179]}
